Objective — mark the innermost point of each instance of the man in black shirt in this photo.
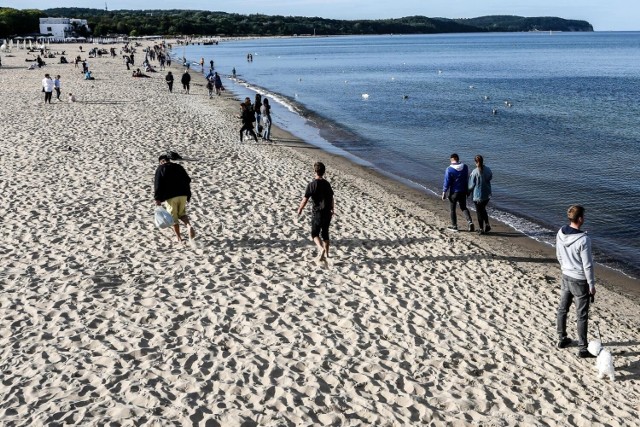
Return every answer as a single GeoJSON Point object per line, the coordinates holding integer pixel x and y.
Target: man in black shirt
{"type": "Point", "coordinates": [320, 192]}
{"type": "Point", "coordinates": [172, 186]}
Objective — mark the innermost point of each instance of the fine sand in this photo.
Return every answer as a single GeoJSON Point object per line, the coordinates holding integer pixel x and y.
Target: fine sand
{"type": "Point", "coordinates": [104, 320]}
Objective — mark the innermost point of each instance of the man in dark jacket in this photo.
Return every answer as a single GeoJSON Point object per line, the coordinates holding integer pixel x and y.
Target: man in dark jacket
{"type": "Point", "coordinates": [186, 80]}
{"type": "Point", "coordinates": [169, 79]}
{"type": "Point", "coordinates": [456, 178]}
{"type": "Point", "coordinates": [171, 186]}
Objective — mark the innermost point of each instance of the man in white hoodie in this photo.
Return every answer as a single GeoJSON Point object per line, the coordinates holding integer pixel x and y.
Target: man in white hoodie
{"type": "Point", "coordinates": [573, 250]}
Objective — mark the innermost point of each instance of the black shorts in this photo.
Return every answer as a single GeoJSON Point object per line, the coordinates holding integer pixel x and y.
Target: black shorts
{"type": "Point", "coordinates": [320, 225]}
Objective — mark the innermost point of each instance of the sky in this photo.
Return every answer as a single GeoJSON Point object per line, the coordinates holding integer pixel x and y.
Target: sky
{"type": "Point", "coordinates": [604, 15]}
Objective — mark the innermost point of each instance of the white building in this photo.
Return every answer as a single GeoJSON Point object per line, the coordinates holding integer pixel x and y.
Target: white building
{"type": "Point", "coordinates": [61, 28]}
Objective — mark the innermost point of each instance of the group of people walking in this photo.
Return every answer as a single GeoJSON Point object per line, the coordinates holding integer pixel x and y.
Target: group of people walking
{"type": "Point", "coordinates": [256, 118]}
{"type": "Point", "coordinates": [459, 184]}
{"type": "Point", "coordinates": [573, 246]}
{"type": "Point", "coordinates": [172, 187]}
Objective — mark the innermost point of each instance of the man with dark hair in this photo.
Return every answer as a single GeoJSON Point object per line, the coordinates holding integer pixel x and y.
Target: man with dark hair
{"type": "Point", "coordinates": [573, 250]}
{"type": "Point", "coordinates": [455, 183]}
{"type": "Point", "coordinates": [185, 80]}
{"type": "Point", "coordinates": [171, 186]}
{"type": "Point", "coordinates": [321, 194]}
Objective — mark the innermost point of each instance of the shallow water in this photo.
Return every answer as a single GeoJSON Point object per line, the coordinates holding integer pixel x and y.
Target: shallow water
{"type": "Point", "coordinates": [570, 134]}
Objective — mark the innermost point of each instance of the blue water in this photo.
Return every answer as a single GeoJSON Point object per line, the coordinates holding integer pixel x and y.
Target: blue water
{"type": "Point", "coordinates": [571, 134]}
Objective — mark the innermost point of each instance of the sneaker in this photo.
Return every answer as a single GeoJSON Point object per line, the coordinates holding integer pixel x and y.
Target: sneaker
{"type": "Point", "coordinates": [480, 232]}
{"type": "Point", "coordinates": [564, 342]}
{"type": "Point", "coordinates": [452, 228]}
{"type": "Point", "coordinates": [584, 354]}
{"type": "Point", "coordinates": [487, 228]}
{"type": "Point", "coordinates": [471, 227]}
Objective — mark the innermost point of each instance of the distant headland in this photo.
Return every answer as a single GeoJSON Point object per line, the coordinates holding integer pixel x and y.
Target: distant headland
{"type": "Point", "coordinates": [199, 22]}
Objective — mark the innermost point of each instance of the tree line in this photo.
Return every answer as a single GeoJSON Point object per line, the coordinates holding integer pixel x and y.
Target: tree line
{"type": "Point", "coordinates": [198, 22]}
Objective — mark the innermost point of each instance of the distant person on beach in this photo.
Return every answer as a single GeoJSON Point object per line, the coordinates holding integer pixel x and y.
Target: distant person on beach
{"type": "Point", "coordinates": [171, 185]}
{"type": "Point", "coordinates": [57, 86]}
{"type": "Point", "coordinates": [480, 191]}
{"type": "Point", "coordinates": [456, 178]}
{"type": "Point", "coordinates": [573, 250]}
{"type": "Point", "coordinates": [257, 109]}
{"type": "Point", "coordinates": [169, 79]}
{"type": "Point", "coordinates": [233, 72]}
{"type": "Point", "coordinates": [47, 88]}
{"type": "Point", "coordinates": [185, 80]}
{"type": "Point", "coordinates": [138, 73]}
{"type": "Point", "coordinates": [217, 83]}
{"type": "Point", "coordinates": [71, 97]}
{"type": "Point", "coordinates": [321, 194]}
{"type": "Point", "coordinates": [266, 120]}
{"type": "Point", "coordinates": [247, 117]}
{"type": "Point", "coordinates": [210, 87]}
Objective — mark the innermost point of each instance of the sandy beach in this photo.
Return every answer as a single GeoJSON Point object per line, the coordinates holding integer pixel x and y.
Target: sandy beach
{"type": "Point", "coordinates": [104, 320]}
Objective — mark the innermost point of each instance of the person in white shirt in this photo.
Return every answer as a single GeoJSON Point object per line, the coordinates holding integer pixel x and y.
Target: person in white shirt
{"type": "Point", "coordinates": [47, 88]}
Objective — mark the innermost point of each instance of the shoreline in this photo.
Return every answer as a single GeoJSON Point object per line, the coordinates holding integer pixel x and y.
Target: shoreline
{"type": "Point", "coordinates": [104, 319]}
{"type": "Point", "coordinates": [502, 235]}
{"type": "Point", "coordinates": [538, 227]}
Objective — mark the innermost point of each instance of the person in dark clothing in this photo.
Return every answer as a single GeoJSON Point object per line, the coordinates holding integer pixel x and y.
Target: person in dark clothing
{"type": "Point", "coordinates": [247, 117]}
{"type": "Point", "coordinates": [169, 79]}
{"type": "Point", "coordinates": [171, 185]}
{"type": "Point", "coordinates": [321, 194]}
{"type": "Point", "coordinates": [186, 80]}
{"type": "Point", "coordinates": [456, 178]}
{"type": "Point", "coordinates": [257, 109]}
{"type": "Point", "coordinates": [217, 83]}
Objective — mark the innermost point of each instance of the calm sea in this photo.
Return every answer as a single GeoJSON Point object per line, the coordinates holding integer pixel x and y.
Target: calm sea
{"type": "Point", "coordinates": [566, 128]}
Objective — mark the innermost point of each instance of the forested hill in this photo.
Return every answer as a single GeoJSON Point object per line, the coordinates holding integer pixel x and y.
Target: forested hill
{"type": "Point", "coordinates": [502, 23]}
{"type": "Point", "coordinates": [194, 22]}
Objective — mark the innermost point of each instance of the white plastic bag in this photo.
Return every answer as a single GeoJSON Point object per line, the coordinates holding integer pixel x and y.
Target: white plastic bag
{"type": "Point", "coordinates": [163, 219]}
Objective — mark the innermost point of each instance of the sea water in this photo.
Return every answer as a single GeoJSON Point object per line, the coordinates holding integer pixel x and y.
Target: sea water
{"type": "Point", "coordinates": [555, 115]}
